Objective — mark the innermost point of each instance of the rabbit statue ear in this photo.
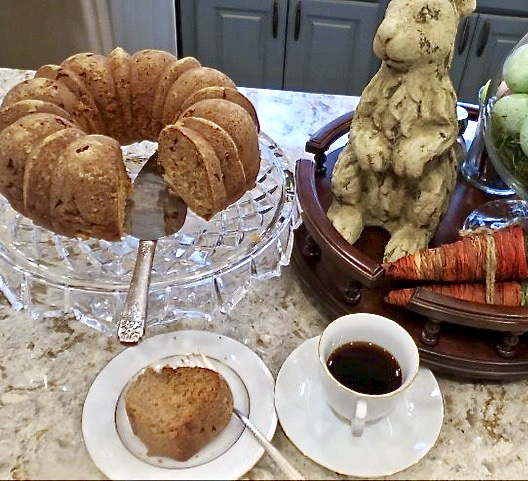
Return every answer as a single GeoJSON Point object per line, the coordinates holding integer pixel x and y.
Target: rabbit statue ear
{"type": "Point", "coordinates": [465, 7]}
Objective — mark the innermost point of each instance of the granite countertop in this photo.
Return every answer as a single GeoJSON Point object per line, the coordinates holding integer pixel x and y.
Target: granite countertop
{"type": "Point", "coordinates": [48, 365]}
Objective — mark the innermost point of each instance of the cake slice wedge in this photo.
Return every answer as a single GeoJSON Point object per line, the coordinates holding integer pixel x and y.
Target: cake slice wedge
{"type": "Point", "coordinates": [120, 68]}
{"type": "Point", "coordinates": [41, 166]}
{"type": "Point", "coordinates": [227, 153]}
{"type": "Point", "coordinates": [188, 83]}
{"type": "Point", "coordinates": [16, 142]}
{"type": "Point", "coordinates": [171, 73]}
{"type": "Point", "coordinates": [238, 124]}
{"type": "Point", "coordinates": [178, 411]}
{"type": "Point", "coordinates": [89, 189]}
{"type": "Point", "coordinates": [62, 75]}
{"type": "Point", "coordinates": [223, 93]}
{"type": "Point", "coordinates": [147, 67]}
{"type": "Point", "coordinates": [192, 170]}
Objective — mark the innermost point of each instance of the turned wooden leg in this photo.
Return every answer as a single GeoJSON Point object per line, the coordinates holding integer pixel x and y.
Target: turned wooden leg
{"type": "Point", "coordinates": [320, 160]}
{"type": "Point", "coordinates": [506, 347]}
{"type": "Point", "coordinates": [430, 334]}
{"type": "Point", "coordinates": [352, 292]}
{"type": "Point", "coordinates": [311, 249]}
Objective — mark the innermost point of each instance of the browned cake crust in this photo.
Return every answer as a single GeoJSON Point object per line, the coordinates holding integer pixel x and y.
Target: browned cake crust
{"type": "Point", "coordinates": [51, 91]}
{"type": "Point", "coordinates": [113, 101]}
{"type": "Point", "coordinates": [167, 79]}
{"type": "Point", "coordinates": [16, 143]}
{"type": "Point", "coordinates": [223, 93]}
{"type": "Point", "coordinates": [188, 83]}
{"type": "Point", "coordinates": [85, 194]}
{"type": "Point", "coordinates": [69, 79]}
{"type": "Point", "coordinates": [236, 122]}
{"type": "Point", "coordinates": [11, 113]}
{"type": "Point", "coordinates": [147, 67]}
{"type": "Point", "coordinates": [120, 69]}
{"type": "Point", "coordinates": [97, 77]}
{"type": "Point", "coordinates": [176, 412]}
{"type": "Point", "coordinates": [40, 169]}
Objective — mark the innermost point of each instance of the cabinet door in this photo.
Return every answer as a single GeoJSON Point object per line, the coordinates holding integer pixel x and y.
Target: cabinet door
{"type": "Point", "coordinates": [495, 36]}
{"type": "Point", "coordinates": [329, 46]}
{"type": "Point", "coordinates": [465, 34]}
{"type": "Point", "coordinates": [243, 38]}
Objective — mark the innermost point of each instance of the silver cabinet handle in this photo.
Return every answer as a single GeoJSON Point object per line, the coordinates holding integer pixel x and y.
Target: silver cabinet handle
{"type": "Point", "coordinates": [297, 30]}
{"type": "Point", "coordinates": [275, 19]}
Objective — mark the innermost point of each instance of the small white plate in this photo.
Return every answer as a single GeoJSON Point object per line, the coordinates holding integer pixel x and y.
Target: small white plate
{"type": "Point", "coordinates": [119, 454]}
{"type": "Point", "coordinates": [387, 446]}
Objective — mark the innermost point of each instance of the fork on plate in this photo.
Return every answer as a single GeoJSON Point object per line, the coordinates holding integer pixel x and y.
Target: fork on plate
{"type": "Point", "coordinates": [200, 360]}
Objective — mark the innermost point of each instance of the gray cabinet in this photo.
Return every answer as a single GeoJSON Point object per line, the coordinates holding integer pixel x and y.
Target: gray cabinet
{"type": "Point", "coordinates": [484, 40]}
{"type": "Point", "coordinates": [329, 46]}
{"type": "Point", "coordinates": [243, 38]}
{"type": "Point", "coordinates": [310, 45]}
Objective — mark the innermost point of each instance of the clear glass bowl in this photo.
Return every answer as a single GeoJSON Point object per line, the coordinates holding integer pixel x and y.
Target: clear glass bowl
{"type": "Point", "coordinates": [202, 270]}
{"type": "Point", "coordinates": [505, 107]}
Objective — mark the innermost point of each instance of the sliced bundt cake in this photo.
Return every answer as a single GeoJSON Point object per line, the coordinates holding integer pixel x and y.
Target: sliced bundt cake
{"type": "Point", "coordinates": [61, 163]}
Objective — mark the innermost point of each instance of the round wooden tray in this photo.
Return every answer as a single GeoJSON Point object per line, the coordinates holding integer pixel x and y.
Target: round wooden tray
{"type": "Point", "coordinates": [466, 339]}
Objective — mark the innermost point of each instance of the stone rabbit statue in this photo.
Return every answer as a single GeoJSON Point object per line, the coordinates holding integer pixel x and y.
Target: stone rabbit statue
{"type": "Point", "coordinates": [398, 169]}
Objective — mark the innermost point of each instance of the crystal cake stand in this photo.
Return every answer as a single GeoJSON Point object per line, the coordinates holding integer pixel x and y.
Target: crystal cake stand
{"type": "Point", "coordinates": [202, 270]}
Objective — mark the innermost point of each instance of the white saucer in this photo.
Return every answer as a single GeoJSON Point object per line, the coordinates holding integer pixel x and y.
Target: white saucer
{"type": "Point", "coordinates": [387, 446]}
{"type": "Point", "coordinates": [119, 454]}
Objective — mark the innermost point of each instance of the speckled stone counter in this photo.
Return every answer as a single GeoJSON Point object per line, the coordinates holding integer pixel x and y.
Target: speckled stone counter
{"type": "Point", "coordinates": [47, 365]}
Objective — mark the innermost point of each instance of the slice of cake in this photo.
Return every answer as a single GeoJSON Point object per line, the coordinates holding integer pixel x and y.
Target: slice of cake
{"type": "Point", "coordinates": [188, 83]}
{"type": "Point", "coordinates": [40, 168]}
{"type": "Point", "coordinates": [176, 412]}
{"type": "Point", "coordinates": [166, 80]}
{"type": "Point", "coordinates": [62, 75]}
{"type": "Point", "coordinates": [88, 191]}
{"type": "Point", "coordinates": [147, 67]}
{"type": "Point", "coordinates": [223, 93]}
{"type": "Point", "coordinates": [192, 170]}
{"type": "Point", "coordinates": [120, 69]}
{"type": "Point", "coordinates": [227, 153]}
{"type": "Point", "coordinates": [16, 142]}
{"type": "Point", "coordinates": [239, 125]}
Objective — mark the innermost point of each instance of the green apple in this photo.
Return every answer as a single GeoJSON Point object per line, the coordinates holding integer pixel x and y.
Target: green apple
{"type": "Point", "coordinates": [516, 70]}
{"type": "Point", "coordinates": [510, 112]}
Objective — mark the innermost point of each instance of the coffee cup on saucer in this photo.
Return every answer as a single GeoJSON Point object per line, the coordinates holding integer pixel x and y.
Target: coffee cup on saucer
{"type": "Point", "coordinates": [367, 363]}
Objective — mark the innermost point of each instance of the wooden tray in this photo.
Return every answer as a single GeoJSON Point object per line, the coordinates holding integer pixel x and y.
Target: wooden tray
{"type": "Point", "coordinates": [466, 339]}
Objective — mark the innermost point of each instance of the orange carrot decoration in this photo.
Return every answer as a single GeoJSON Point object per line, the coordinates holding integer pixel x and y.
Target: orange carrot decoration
{"type": "Point", "coordinates": [506, 293]}
{"type": "Point", "coordinates": [499, 254]}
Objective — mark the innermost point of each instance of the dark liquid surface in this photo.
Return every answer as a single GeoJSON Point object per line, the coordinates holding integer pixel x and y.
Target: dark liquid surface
{"type": "Point", "coordinates": [365, 367]}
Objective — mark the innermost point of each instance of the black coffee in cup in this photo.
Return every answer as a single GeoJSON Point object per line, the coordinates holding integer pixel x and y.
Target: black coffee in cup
{"type": "Point", "coordinates": [365, 367]}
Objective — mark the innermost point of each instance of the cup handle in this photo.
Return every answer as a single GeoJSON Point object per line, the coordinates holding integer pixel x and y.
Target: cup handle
{"type": "Point", "coordinates": [360, 416]}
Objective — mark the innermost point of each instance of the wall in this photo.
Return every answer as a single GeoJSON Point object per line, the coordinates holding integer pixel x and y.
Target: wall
{"type": "Point", "coordinates": [36, 32]}
{"type": "Point", "coordinates": [138, 24]}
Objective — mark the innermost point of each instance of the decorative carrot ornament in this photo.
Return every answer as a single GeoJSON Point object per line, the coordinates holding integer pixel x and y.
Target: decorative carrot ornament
{"type": "Point", "coordinates": [506, 293]}
{"type": "Point", "coordinates": [479, 255]}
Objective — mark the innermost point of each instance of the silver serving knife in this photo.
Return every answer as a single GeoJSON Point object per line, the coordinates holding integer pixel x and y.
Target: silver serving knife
{"type": "Point", "coordinates": [152, 212]}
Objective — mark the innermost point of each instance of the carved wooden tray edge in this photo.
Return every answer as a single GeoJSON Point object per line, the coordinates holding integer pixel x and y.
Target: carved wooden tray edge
{"type": "Point", "coordinates": [457, 337]}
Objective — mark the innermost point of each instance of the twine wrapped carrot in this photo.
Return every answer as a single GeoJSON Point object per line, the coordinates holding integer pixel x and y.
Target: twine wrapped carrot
{"type": "Point", "coordinates": [506, 293]}
{"type": "Point", "coordinates": [492, 256]}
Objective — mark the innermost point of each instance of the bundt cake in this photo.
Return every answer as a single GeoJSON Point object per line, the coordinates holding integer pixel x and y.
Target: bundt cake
{"type": "Point", "coordinates": [61, 164]}
{"type": "Point", "coordinates": [178, 411]}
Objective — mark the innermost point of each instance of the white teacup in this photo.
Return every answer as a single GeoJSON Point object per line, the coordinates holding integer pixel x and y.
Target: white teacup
{"type": "Point", "coordinates": [364, 330]}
